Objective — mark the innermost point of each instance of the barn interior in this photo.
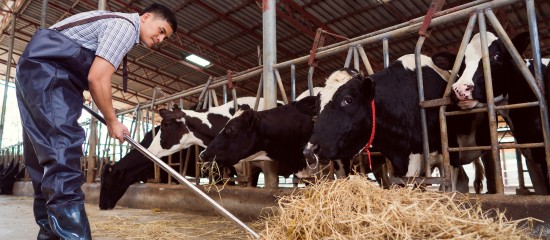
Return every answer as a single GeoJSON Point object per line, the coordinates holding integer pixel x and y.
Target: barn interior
{"type": "Point", "coordinates": [311, 39]}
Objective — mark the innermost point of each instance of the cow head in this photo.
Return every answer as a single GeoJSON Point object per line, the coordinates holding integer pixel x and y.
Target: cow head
{"type": "Point", "coordinates": [173, 130]}
{"type": "Point", "coordinates": [236, 140]}
{"type": "Point", "coordinates": [109, 182]}
{"type": "Point", "coordinates": [345, 100]}
{"type": "Point", "coordinates": [469, 90]}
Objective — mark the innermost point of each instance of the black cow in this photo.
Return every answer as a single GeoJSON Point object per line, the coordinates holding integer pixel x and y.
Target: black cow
{"type": "Point", "coordinates": [277, 134]}
{"type": "Point", "coordinates": [8, 176]}
{"type": "Point", "coordinates": [132, 168]}
{"type": "Point", "coordinates": [344, 120]}
{"type": "Point", "coordinates": [508, 83]}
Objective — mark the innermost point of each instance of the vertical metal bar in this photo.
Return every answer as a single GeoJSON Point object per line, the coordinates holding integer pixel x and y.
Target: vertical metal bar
{"type": "Point", "coordinates": [530, 81]}
{"type": "Point", "coordinates": [234, 94]}
{"type": "Point", "coordinates": [281, 87]}
{"type": "Point", "coordinates": [224, 94]}
{"type": "Point", "coordinates": [535, 46]}
{"type": "Point", "coordinates": [348, 57]}
{"type": "Point", "coordinates": [102, 5]}
{"type": "Point", "coordinates": [203, 92]}
{"type": "Point", "coordinates": [386, 52]}
{"type": "Point", "coordinates": [8, 73]}
{"type": "Point", "coordinates": [258, 93]}
{"type": "Point", "coordinates": [521, 177]}
{"type": "Point", "coordinates": [355, 59]}
{"type": "Point", "coordinates": [270, 53]}
{"type": "Point", "coordinates": [43, 13]}
{"type": "Point", "coordinates": [310, 79]}
{"type": "Point", "coordinates": [370, 71]}
{"type": "Point", "coordinates": [490, 102]}
{"type": "Point", "coordinates": [420, 83]}
{"type": "Point", "coordinates": [214, 97]}
{"type": "Point", "coordinates": [293, 82]}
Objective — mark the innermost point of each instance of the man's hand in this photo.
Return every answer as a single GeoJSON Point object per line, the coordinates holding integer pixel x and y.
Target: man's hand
{"type": "Point", "coordinates": [117, 130]}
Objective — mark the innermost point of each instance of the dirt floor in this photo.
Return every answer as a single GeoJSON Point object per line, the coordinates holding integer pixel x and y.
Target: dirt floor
{"type": "Point", "coordinates": [17, 222]}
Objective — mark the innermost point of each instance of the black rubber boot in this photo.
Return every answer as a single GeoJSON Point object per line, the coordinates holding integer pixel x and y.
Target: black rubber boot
{"type": "Point", "coordinates": [41, 217]}
{"type": "Point", "coordinates": [70, 221]}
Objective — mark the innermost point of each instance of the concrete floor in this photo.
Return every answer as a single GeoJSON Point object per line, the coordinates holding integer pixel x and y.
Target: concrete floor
{"type": "Point", "coordinates": [17, 222]}
{"type": "Point", "coordinates": [177, 207]}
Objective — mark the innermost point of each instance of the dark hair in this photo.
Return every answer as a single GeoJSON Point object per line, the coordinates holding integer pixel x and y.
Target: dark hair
{"type": "Point", "coordinates": [163, 12]}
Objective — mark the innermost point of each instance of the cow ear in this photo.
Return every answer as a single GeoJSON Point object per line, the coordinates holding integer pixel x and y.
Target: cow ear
{"type": "Point", "coordinates": [444, 60]}
{"type": "Point", "coordinates": [306, 105]}
{"type": "Point", "coordinates": [368, 88]}
{"type": "Point", "coordinates": [521, 41]}
{"type": "Point", "coordinates": [244, 107]}
{"type": "Point", "coordinates": [163, 111]}
{"type": "Point", "coordinates": [250, 117]}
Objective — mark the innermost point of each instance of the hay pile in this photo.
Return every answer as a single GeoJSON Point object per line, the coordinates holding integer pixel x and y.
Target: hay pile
{"type": "Point", "coordinates": [355, 208]}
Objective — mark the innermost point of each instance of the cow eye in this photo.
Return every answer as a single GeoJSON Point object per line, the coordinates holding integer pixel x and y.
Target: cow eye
{"type": "Point", "coordinates": [347, 101]}
{"type": "Point", "coordinates": [229, 130]}
{"type": "Point", "coordinates": [496, 57]}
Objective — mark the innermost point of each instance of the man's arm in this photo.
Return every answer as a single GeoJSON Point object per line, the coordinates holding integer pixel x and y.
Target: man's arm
{"type": "Point", "coordinates": [99, 82]}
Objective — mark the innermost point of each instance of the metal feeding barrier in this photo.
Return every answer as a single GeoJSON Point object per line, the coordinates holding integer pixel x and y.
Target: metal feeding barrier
{"type": "Point", "coordinates": [180, 178]}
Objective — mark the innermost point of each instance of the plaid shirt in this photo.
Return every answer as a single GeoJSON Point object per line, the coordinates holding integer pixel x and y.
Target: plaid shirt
{"type": "Point", "coordinates": [110, 38]}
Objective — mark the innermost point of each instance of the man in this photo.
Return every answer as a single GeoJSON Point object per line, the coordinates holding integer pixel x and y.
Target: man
{"type": "Point", "coordinates": [79, 53]}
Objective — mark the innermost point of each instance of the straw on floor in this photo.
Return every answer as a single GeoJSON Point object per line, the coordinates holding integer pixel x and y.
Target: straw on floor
{"type": "Point", "coordinates": [356, 208]}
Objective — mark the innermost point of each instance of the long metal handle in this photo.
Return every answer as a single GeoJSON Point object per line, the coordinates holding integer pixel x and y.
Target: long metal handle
{"type": "Point", "coordinates": [180, 178]}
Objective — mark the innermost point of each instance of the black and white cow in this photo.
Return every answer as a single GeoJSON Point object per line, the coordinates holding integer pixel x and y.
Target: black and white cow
{"type": "Point", "coordinates": [344, 120]}
{"type": "Point", "coordinates": [508, 84]}
{"type": "Point", "coordinates": [183, 128]}
{"type": "Point", "coordinates": [134, 167]}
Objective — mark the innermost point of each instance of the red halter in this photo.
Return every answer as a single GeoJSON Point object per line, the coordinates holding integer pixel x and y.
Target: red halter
{"type": "Point", "coordinates": [366, 149]}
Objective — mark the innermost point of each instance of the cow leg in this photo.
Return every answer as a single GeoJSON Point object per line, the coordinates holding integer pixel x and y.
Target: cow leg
{"type": "Point", "coordinates": [269, 168]}
{"type": "Point", "coordinates": [538, 179]}
{"type": "Point", "coordinates": [478, 182]}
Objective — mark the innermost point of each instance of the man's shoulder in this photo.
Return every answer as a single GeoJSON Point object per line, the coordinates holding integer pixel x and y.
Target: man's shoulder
{"type": "Point", "coordinates": [132, 17]}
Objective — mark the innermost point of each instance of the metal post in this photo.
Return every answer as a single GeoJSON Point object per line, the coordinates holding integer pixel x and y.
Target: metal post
{"type": "Point", "coordinates": [348, 57]}
{"type": "Point", "coordinates": [281, 87]}
{"type": "Point", "coordinates": [259, 93]}
{"type": "Point", "coordinates": [102, 5]}
{"type": "Point", "coordinates": [534, 35]}
{"type": "Point", "coordinates": [310, 79]}
{"type": "Point", "coordinates": [386, 51]}
{"type": "Point", "coordinates": [269, 53]}
{"type": "Point", "coordinates": [293, 82]}
{"type": "Point", "coordinates": [8, 73]}
{"type": "Point", "coordinates": [224, 94]}
{"type": "Point", "coordinates": [43, 14]}
{"type": "Point", "coordinates": [490, 102]}
{"type": "Point", "coordinates": [366, 61]}
{"type": "Point", "coordinates": [355, 58]}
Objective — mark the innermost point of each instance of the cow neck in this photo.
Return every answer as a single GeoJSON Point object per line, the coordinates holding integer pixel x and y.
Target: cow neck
{"type": "Point", "coordinates": [373, 130]}
{"type": "Point", "coordinates": [204, 125]}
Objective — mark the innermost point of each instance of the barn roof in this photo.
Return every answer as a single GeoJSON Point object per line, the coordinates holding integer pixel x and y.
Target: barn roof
{"type": "Point", "coordinates": [229, 34]}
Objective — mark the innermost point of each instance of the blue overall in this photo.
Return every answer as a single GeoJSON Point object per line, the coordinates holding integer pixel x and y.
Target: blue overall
{"type": "Point", "coordinates": [51, 76]}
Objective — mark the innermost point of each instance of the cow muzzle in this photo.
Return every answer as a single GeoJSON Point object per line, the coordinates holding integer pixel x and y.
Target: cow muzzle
{"type": "Point", "coordinates": [310, 152]}
{"type": "Point", "coordinates": [463, 95]}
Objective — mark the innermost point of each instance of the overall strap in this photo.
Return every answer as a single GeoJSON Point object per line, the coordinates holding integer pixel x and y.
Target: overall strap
{"type": "Point", "coordinates": [89, 20]}
{"type": "Point", "coordinates": [95, 18]}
